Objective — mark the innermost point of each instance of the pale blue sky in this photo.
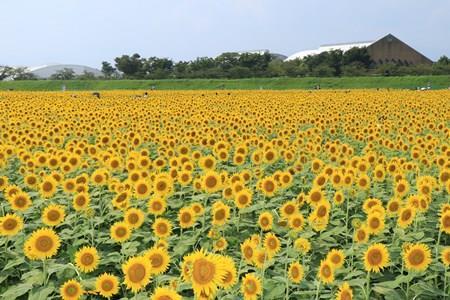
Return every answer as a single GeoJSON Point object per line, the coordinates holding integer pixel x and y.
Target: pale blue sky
{"type": "Point", "coordinates": [36, 32]}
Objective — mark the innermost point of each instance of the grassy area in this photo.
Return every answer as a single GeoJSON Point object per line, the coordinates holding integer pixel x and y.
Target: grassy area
{"type": "Point", "coordinates": [405, 82]}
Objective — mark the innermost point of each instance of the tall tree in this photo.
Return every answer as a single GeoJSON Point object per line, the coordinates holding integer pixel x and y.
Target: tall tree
{"type": "Point", "coordinates": [107, 69]}
{"type": "Point", "coordinates": [5, 72]}
{"type": "Point", "coordinates": [131, 66]}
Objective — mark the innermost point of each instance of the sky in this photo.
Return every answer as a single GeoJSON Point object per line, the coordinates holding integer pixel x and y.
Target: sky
{"type": "Point", "coordinates": [88, 32]}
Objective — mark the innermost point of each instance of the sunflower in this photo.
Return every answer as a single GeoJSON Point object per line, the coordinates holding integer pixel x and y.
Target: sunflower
{"type": "Point", "coordinates": [248, 250]}
{"type": "Point", "coordinates": [207, 273]}
{"type": "Point", "coordinates": [345, 292]}
{"type": "Point", "coordinates": [198, 208]}
{"type": "Point", "coordinates": [268, 186]}
{"type": "Point", "coordinates": [243, 198]}
{"type": "Point", "coordinates": [81, 201]}
{"type": "Point", "coordinates": [289, 209]}
{"type": "Point", "coordinates": [207, 162]}
{"type": "Point", "coordinates": [4, 182]}
{"type": "Point", "coordinates": [445, 256]}
{"type": "Point", "coordinates": [363, 182]}
{"type": "Point", "coordinates": [315, 196]}
{"type": "Point", "coordinates": [71, 290]}
{"type": "Point", "coordinates": [302, 245]}
{"type": "Point", "coordinates": [326, 272]}
{"type": "Point", "coordinates": [31, 181]}
{"type": "Point", "coordinates": [339, 197]}
{"type": "Point", "coordinates": [186, 217]}
{"type": "Point", "coordinates": [401, 188]}
{"type": "Point", "coordinates": [370, 203]}
{"type": "Point", "coordinates": [220, 244]}
{"type": "Point", "coordinates": [417, 257]}
{"type": "Point", "coordinates": [163, 184]}
{"type": "Point", "coordinates": [230, 278]}
{"type": "Point", "coordinates": [295, 272]}
{"type": "Point", "coordinates": [444, 222]}
{"type": "Point", "coordinates": [376, 258]}
{"type": "Point", "coordinates": [10, 191]}
{"type": "Point", "coordinates": [43, 243]}
{"type": "Point", "coordinates": [120, 232]}
{"type": "Point", "coordinates": [121, 200]}
{"type": "Point", "coordinates": [393, 206]}
{"type": "Point", "coordinates": [69, 185]}
{"type": "Point", "coordinates": [159, 259]}
{"type": "Point", "coordinates": [265, 221]}
{"type": "Point", "coordinates": [107, 285]}
{"type": "Point", "coordinates": [361, 235]}
{"type": "Point", "coordinates": [10, 225]}
{"type": "Point", "coordinates": [336, 258]}
{"type": "Point", "coordinates": [134, 217]}
{"type": "Point", "coordinates": [211, 182]}
{"type": "Point", "coordinates": [53, 215]}
{"type": "Point", "coordinates": [375, 223]}
{"type": "Point", "coordinates": [48, 187]}
{"type": "Point", "coordinates": [184, 178]}
{"type": "Point", "coordinates": [87, 259]}
{"type": "Point", "coordinates": [251, 286]}
{"type": "Point", "coordinates": [137, 272]}
{"type": "Point", "coordinates": [162, 228]}
{"type": "Point", "coordinates": [322, 210]}
{"type": "Point", "coordinates": [296, 222]}
{"type": "Point", "coordinates": [161, 293]}
{"type": "Point", "coordinates": [156, 206]}
{"type": "Point", "coordinates": [220, 213]}
{"type": "Point", "coordinates": [20, 201]}
{"type": "Point", "coordinates": [142, 189]}
{"type": "Point", "coordinates": [379, 173]}
{"type": "Point", "coordinates": [272, 244]}
{"type": "Point", "coordinates": [406, 216]}
{"type": "Point", "coordinates": [99, 177]}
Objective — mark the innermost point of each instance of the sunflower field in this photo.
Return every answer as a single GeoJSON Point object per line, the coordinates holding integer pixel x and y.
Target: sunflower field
{"type": "Point", "coordinates": [225, 195]}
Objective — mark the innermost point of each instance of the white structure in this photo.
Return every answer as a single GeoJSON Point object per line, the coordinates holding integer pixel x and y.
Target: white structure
{"type": "Point", "coordinates": [260, 52]}
{"type": "Point", "coordinates": [47, 71]}
{"type": "Point", "coordinates": [325, 48]}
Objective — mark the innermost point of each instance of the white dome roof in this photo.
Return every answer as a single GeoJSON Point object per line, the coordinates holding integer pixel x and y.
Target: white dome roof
{"type": "Point", "coordinates": [48, 70]}
{"type": "Point", "coordinates": [325, 48]}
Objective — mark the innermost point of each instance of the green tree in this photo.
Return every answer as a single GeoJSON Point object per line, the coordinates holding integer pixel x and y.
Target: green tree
{"type": "Point", "coordinates": [22, 74]}
{"type": "Point", "coordinates": [5, 72]}
{"type": "Point", "coordinates": [357, 55]}
{"type": "Point", "coordinates": [107, 69]}
{"type": "Point", "coordinates": [86, 76]}
{"type": "Point", "coordinates": [130, 66]}
{"type": "Point", "coordinates": [64, 74]}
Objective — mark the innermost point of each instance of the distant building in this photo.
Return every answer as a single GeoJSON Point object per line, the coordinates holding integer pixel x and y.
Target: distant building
{"type": "Point", "coordinates": [261, 52]}
{"type": "Point", "coordinates": [47, 71]}
{"type": "Point", "coordinates": [388, 49]}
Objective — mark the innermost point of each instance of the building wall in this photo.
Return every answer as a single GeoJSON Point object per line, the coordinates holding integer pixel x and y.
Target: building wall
{"type": "Point", "coordinates": [391, 50]}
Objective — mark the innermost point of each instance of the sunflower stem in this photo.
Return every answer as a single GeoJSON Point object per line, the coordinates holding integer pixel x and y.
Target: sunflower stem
{"type": "Point", "coordinates": [437, 243]}
{"type": "Point", "coordinates": [238, 220]}
{"type": "Point", "coordinates": [286, 269]}
{"type": "Point", "coordinates": [407, 287]}
{"type": "Point", "coordinates": [44, 272]}
{"type": "Point", "coordinates": [317, 290]}
{"type": "Point", "coordinates": [368, 286]}
{"type": "Point", "coordinates": [262, 275]}
{"type": "Point", "coordinates": [445, 284]}
{"type": "Point", "coordinates": [346, 222]}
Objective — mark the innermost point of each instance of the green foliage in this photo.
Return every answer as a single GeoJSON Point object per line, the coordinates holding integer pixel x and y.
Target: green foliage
{"type": "Point", "coordinates": [280, 83]}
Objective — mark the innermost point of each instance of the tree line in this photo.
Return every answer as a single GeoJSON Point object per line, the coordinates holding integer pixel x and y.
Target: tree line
{"type": "Point", "coordinates": [354, 62]}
